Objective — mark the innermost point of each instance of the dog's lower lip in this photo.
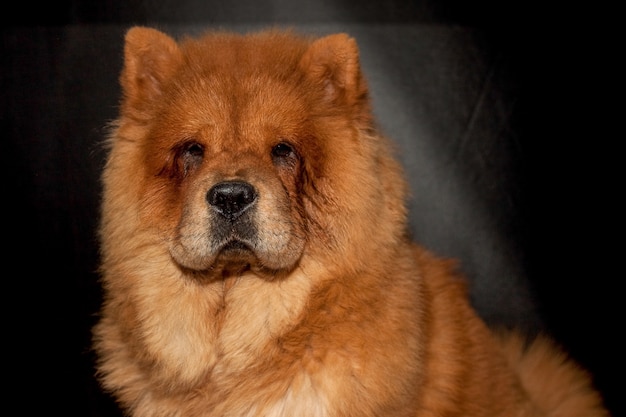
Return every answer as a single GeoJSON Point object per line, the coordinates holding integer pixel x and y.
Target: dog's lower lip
{"type": "Point", "coordinates": [235, 245]}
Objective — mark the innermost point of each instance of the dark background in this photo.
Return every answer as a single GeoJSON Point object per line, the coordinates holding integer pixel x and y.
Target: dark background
{"type": "Point", "coordinates": [503, 115]}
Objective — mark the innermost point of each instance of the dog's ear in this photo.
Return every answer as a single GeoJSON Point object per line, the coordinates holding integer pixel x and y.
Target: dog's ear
{"type": "Point", "coordinates": [332, 62]}
{"type": "Point", "coordinates": [150, 57]}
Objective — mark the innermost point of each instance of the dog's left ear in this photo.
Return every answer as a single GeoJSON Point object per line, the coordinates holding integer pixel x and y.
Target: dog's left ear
{"type": "Point", "coordinates": [332, 62]}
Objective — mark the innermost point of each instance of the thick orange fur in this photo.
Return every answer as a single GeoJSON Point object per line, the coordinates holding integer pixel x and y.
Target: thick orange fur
{"type": "Point", "coordinates": [255, 257]}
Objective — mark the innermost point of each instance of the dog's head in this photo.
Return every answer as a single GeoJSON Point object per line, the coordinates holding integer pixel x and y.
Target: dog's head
{"type": "Point", "coordinates": [246, 152]}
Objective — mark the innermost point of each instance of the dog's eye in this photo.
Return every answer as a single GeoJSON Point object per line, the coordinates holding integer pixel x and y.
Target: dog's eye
{"type": "Point", "coordinates": [283, 152]}
{"type": "Point", "coordinates": [194, 150]}
{"type": "Point", "coordinates": [189, 156]}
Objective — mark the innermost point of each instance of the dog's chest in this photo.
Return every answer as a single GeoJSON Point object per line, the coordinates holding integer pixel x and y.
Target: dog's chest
{"type": "Point", "coordinates": [285, 396]}
{"type": "Point", "coordinates": [303, 402]}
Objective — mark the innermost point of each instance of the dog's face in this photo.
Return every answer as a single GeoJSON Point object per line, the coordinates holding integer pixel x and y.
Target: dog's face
{"type": "Point", "coordinates": [244, 150]}
{"type": "Point", "coordinates": [231, 173]}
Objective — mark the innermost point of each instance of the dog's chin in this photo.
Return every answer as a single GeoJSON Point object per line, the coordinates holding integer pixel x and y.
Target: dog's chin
{"type": "Point", "coordinates": [234, 258]}
{"type": "Point", "coordinates": [233, 255]}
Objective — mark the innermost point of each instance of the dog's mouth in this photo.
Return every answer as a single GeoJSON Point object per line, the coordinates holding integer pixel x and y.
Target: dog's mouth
{"type": "Point", "coordinates": [236, 252]}
{"type": "Point", "coordinates": [236, 246]}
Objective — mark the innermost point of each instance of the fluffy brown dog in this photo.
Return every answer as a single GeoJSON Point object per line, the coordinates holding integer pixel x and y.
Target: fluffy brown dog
{"type": "Point", "coordinates": [255, 255]}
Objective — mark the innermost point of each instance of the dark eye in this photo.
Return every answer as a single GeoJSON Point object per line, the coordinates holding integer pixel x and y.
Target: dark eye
{"type": "Point", "coordinates": [194, 150]}
{"type": "Point", "coordinates": [283, 152]}
{"type": "Point", "coordinates": [190, 156]}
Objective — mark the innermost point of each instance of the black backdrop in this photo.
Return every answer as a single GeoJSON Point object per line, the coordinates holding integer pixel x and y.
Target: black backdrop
{"type": "Point", "coordinates": [499, 114]}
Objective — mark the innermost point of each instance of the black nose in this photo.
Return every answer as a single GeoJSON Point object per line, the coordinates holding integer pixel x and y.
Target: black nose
{"type": "Point", "coordinates": [231, 198]}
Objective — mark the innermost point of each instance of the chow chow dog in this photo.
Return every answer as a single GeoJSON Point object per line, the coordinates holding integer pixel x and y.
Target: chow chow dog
{"type": "Point", "coordinates": [255, 254]}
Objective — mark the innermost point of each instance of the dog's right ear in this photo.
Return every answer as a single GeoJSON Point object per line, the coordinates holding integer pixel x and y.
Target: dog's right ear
{"type": "Point", "coordinates": [150, 57]}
